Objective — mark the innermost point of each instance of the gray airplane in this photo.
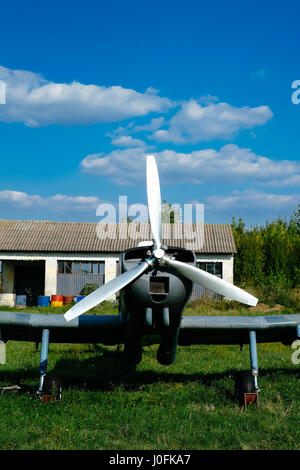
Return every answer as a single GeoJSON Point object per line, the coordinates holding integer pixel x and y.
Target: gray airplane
{"type": "Point", "coordinates": [155, 284]}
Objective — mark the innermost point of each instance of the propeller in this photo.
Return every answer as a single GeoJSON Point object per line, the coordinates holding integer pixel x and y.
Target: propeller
{"type": "Point", "coordinates": [211, 282]}
{"type": "Point", "coordinates": [203, 278]}
{"type": "Point", "coordinates": [154, 203]}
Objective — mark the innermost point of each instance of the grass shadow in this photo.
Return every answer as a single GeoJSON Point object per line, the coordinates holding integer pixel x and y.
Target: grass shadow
{"type": "Point", "coordinates": [110, 369]}
{"type": "Point", "coordinates": [106, 369]}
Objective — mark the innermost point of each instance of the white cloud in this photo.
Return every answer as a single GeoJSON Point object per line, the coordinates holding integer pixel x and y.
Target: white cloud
{"type": "Point", "coordinates": [121, 138]}
{"type": "Point", "coordinates": [153, 125]}
{"type": "Point", "coordinates": [56, 203]}
{"type": "Point", "coordinates": [207, 99]}
{"type": "Point", "coordinates": [123, 167]}
{"type": "Point", "coordinates": [252, 199]}
{"type": "Point", "coordinates": [63, 202]}
{"type": "Point", "coordinates": [19, 198]}
{"type": "Point", "coordinates": [293, 180]}
{"type": "Point", "coordinates": [231, 164]}
{"type": "Point", "coordinates": [150, 91]}
{"type": "Point", "coordinates": [38, 102]}
{"type": "Point", "coordinates": [195, 123]}
{"type": "Point", "coordinates": [127, 141]}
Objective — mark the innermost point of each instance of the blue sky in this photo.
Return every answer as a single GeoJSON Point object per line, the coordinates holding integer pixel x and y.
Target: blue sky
{"type": "Point", "coordinates": [92, 87]}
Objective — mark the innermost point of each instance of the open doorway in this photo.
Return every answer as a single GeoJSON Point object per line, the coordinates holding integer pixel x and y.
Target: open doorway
{"type": "Point", "coordinates": [30, 280]}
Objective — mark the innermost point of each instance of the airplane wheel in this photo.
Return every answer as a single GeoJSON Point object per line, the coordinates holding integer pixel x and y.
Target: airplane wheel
{"type": "Point", "coordinates": [244, 384]}
{"type": "Point", "coordinates": [52, 386]}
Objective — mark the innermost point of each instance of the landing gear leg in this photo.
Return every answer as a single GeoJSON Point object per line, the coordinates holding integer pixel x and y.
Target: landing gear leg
{"type": "Point", "coordinates": [44, 358]}
{"type": "Point", "coordinates": [50, 387]}
{"type": "Point", "coordinates": [246, 386]}
{"type": "Point", "coordinates": [253, 359]}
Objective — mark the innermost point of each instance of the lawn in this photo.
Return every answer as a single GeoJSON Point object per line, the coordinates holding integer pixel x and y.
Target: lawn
{"type": "Point", "coordinates": [107, 404]}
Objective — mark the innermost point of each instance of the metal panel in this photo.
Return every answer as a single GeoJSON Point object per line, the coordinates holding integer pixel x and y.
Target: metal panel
{"type": "Point", "coordinates": [71, 284]}
{"type": "Point", "coordinates": [200, 292]}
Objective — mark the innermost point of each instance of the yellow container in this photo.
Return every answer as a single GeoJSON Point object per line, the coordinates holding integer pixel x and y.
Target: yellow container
{"type": "Point", "coordinates": [56, 304]}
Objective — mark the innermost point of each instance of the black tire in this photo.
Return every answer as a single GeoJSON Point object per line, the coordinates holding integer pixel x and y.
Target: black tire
{"type": "Point", "coordinates": [244, 384]}
{"type": "Point", "coordinates": [52, 386]}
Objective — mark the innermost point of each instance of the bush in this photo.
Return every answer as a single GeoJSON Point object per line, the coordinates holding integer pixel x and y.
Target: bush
{"type": "Point", "coordinates": [269, 255]}
{"type": "Point", "coordinates": [88, 288]}
{"type": "Point", "coordinates": [276, 290]}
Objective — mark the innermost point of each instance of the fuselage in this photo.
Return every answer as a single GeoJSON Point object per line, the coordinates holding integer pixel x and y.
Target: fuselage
{"type": "Point", "coordinates": [153, 304]}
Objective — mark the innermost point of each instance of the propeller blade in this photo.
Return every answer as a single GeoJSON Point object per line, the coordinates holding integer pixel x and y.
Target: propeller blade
{"type": "Point", "coordinates": [105, 291]}
{"type": "Point", "coordinates": [212, 282]}
{"type": "Point", "coordinates": [154, 200]}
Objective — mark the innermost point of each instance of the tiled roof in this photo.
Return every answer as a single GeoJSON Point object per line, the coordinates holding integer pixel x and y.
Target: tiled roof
{"type": "Point", "coordinates": [34, 235]}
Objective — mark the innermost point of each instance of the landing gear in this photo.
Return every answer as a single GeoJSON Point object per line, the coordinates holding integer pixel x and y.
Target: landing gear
{"type": "Point", "coordinates": [50, 387]}
{"type": "Point", "coordinates": [246, 386]}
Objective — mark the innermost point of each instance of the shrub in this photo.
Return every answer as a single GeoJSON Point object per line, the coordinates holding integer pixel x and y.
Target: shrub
{"type": "Point", "coordinates": [269, 255]}
{"type": "Point", "coordinates": [276, 290]}
{"type": "Point", "coordinates": [88, 288]}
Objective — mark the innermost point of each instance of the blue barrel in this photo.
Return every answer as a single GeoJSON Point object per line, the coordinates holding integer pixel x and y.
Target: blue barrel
{"type": "Point", "coordinates": [21, 300]}
{"type": "Point", "coordinates": [43, 301]}
{"type": "Point", "coordinates": [78, 298]}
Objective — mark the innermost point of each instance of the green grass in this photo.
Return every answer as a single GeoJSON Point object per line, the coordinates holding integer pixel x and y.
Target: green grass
{"type": "Point", "coordinates": [190, 405]}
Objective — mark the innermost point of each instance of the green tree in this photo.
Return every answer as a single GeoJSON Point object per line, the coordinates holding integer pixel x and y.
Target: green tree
{"type": "Point", "coordinates": [268, 254]}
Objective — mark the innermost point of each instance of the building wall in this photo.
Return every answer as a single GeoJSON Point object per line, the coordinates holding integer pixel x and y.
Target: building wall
{"type": "Point", "coordinates": [227, 275]}
{"type": "Point", "coordinates": [7, 295]}
{"type": "Point", "coordinates": [226, 260]}
{"type": "Point", "coordinates": [50, 276]}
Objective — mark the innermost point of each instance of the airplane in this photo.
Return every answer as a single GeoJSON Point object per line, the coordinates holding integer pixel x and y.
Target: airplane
{"type": "Point", "coordinates": [155, 284]}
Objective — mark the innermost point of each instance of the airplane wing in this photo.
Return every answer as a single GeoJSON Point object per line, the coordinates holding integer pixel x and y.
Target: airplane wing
{"type": "Point", "coordinates": [110, 329]}
{"type": "Point", "coordinates": [104, 329]}
{"type": "Point", "coordinates": [235, 329]}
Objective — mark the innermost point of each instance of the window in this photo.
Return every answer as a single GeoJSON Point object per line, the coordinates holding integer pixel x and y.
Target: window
{"type": "Point", "coordinates": [76, 267]}
{"type": "Point", "coordinates": [212, 268]}
{"type": "Point", "coordinates": [86, 268]}
{"type": "Point", "coordinates": [95, 268]}
{"type": "Point", "coordinates": [64, 267]}
{"type": "Point", "coordinates": [81, 267]}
